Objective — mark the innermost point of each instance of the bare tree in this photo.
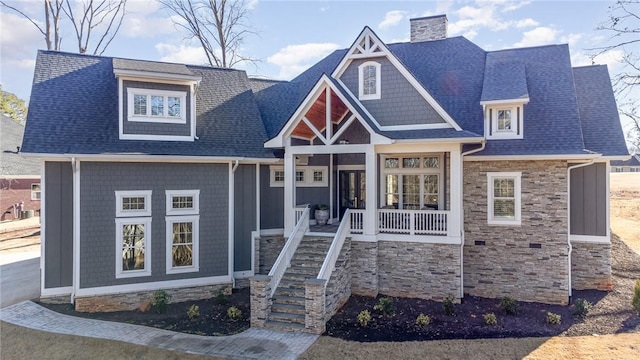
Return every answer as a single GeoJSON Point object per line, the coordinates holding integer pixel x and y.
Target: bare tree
{"type": "Point", "coordinates": [218, 25]}
{"type": "Point", "coordinates": [52, 12]}
{"type": "Point", "coordinates": [101, 15]}
{"type": "Point", "coordinates": [623, 25]}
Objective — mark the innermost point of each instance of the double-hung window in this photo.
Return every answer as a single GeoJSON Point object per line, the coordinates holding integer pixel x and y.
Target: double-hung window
{"type": "Point", "coordinates": [163, 106]}
{"type": "Point", "coordinates": [504, 122]}
{"type": "Point", "coordinates": [133, 233]}
{"type": "Point", "coordinates": [35, 192]}
{"type": "Point", "coordinates": [504, 198]}
{"type": "Point", "coordinates": [183, 229]}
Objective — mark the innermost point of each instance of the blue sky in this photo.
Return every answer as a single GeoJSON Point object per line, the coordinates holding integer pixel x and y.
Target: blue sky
{"type": "Point", "coordinates": [292, 35]}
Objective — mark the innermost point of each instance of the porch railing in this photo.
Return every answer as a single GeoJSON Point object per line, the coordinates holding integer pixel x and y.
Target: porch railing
{"type": "Point", "coordinates": [356, 220]}
{"type": "Point", "coordinates": [284, 259]}
{"type": "Point", "coordinates": [336, 245]}
{"type": "Point", "coordinates": [413, 222]}
{"type": "Point", "coordinates": [299, 209]}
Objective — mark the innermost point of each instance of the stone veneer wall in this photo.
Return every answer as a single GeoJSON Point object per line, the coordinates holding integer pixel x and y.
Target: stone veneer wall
{"type": "Point", "coordinates": [420, 270]}
{"type": "Point", "coordinates": [507, 264]}
{"type": "Point", "coordinates": [591, 266]}
{"type": "Point", "coordinates": [364, 268]}
{"type": "Point", "coordinates": [268, 249]}
{"type": "Point", "coordinates": [132, 301]}
{"type": "Point", "coordinates": [339, 287]}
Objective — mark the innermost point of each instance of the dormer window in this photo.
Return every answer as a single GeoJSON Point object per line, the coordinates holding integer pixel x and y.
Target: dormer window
{"type": "Point", "coordinates": [160, 106]}
{"type": "Point", "coordinates": [504, 121]}
{"type": "Point", "coordinates": [369, 81]}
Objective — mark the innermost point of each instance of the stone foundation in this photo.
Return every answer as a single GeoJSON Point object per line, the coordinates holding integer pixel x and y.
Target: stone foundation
{"type": "Point", "coordinates": [131, 301]}
{"type": "Point", "coordinates": [339, 287]}
{"type": "Point", "coordinates": [364, 268]}
{"type": "Point", "coordinates": [58, 299]}
{"type": "Point", "coordinates": [591, 266]}
{"type": "Point", "coordinates": [528, 262]}
{"type": "Point", "coordinates": [260, 300]}
{"type": "Point", "coordinates": [268, 250]}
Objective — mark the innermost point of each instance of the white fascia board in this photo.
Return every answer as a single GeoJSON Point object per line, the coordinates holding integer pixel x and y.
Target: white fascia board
{"type": "Point", "coordinates": [400, 67]}
{"type": "Point", "coordinates": [152, 158]}
{"type": "Point", "coordinates": [469, 140]}
{"type": "Point", "coordinates": [518, 101]}
{"type": "Point", "coordinates": [149, 76]}
{"type": "Point", "coordinates": [530, 157]}
{"type": "Point", "coordinates": [616, 157]}
{"type": "Point", "coordinates": [20, 177]}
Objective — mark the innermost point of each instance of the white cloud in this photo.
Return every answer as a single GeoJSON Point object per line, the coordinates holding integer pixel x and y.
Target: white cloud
{"type": "Point", "coordinates": [539, 36]}
{"type": "Point", "coordinates": [19, 41]}
{"type": "Point", "coordinates": [183, 54]}
{"type": "Point", "coordinates": [487, 14]}
{"type": "Point", "coordinates": [294, 59]}
{"type": "Point", "coordinates": [391, 18]}
{"type": "Point", "coordinates": [144, 19]}
{"type": "Point", "coordinates": [515, 5]}
{"type": "Point", "coordinates": [251, 4]}
{"type": "Point", "coordinates": [470, 34]}
{"type": "Point", "coordinates": [571, 39]}
{"type": "Point", "coordinates": [611, 58]}
{"type": "Point", "coordinates": [529, 22]}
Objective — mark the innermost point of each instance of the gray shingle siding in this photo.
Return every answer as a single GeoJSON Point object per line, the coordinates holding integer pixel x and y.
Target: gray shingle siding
{"type": "Point", "coordinates": [399, 104]}
{"type": "Point", "coordinates": [98, 183]}
{"type": "Point", "coordinates": [153, 128]}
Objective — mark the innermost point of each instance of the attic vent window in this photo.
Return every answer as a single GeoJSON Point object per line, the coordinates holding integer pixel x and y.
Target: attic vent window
{"type": "Point", "coordinates": [369, 81]}
{"type": "Point", "coordinates": [160, 106]}
{"type": "Point", "coordinates": [504, 121]}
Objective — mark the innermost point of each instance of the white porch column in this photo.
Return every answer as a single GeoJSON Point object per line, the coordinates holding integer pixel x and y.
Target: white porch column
{"type": "Point", "coordinates": [454, 224]}
{"type": "Point", "coordinates": [289, 192]}
{"type": "Point", "coordinates": [370, 212]}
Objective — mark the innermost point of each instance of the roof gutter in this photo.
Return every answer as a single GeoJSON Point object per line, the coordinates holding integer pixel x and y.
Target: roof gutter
{"type": "Point", "coordinates": [150, 158]}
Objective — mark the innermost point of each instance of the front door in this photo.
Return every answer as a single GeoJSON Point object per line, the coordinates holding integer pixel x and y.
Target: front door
{"type": "Point", "coordinates": [352, 190]}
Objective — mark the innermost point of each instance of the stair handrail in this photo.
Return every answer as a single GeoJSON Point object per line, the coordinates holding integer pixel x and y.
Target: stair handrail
{"type": "Point", "coordinates": [284, 259]}
{"type": "Point", "coordinates": [336, 246]}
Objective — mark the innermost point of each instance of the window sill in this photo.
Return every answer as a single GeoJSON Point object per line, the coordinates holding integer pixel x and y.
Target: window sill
{"type": "Point", "coordinates": [158, 119]}
{"type": "Point", "coordinates": [183, 270]}
{"type": "Point", "coordinates": [133, 273]}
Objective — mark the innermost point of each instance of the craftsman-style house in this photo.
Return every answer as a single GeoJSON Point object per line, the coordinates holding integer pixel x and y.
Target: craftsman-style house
{"type": "Point", "coordinates": [446, 169]}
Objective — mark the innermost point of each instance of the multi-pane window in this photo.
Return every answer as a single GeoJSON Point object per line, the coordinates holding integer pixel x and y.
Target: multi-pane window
{"type": "Point", "coordinates": [412, 182]}
{"type": "Point", "coordinates": [183, 209]}
{"type": "Point", "coordinates": [35, 192]}
{"type": "Point", "coordinates": [503, 205]}
{"type": "Point", "coordinates": [278, 176]}
{"type": "Point", "coordinates": [299, 175]}
{"type": "Point", "coordinates": [391, 163]}
{"type": "Point", "coordinates": [504, 120]}
{"type": "Point", "coordinates": [411, 192]}
{"type": "Point", "coordinates": [133, 233]}
{"type": "Point", "coordinates": [305, 176]}
{"type": "Point", "coordinates": [318, 176]}
{"type": "Point", "coordinates": [156, 105]}
{"type": "Point", "coordinates": [431, 191]}
{"type": "Point", "coordinates": [369, 81]}
{"type": "Point", "coordinates": [391, 195]}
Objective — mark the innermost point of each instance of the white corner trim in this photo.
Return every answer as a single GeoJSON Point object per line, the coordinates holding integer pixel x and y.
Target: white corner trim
{"type": "Point", "coordinates": [75, 170]}
{"type": "Point", "coordinates": [231, 224]}
{"type": "Point", "coordinates": [43, 226]}
{"type": "Point", "coordinates": [169, 284]}
{"type": "Point", "coordinates": [590, 239]}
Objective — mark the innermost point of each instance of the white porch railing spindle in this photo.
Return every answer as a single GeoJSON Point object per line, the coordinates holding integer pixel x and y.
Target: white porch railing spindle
{"type": "Point", "coordinates": [413, 222]}
{"type": "Point", "coordinates": [336, 245]}
{"type": "Point", "coordinates": [284, 259]}
{"type": "Point", "coordinates": [356, 218]}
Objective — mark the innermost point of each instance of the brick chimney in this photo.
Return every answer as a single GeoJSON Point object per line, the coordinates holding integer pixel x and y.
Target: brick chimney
{"type": "Point", "coordinates": [429, 28]}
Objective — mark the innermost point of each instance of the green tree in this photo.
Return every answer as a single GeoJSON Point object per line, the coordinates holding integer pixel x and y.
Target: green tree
{"type": "Point", "coordinates": [13, 107]}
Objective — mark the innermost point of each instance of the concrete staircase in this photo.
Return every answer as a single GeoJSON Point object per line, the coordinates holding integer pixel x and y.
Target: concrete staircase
{"type": "Point", "coordinates": [288, 302]}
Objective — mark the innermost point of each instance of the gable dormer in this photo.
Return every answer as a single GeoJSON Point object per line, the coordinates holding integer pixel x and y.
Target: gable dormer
{"type": "Point", "coordinates": [156, 100]}
{"type": "Point", "coordinates": [504, 95]}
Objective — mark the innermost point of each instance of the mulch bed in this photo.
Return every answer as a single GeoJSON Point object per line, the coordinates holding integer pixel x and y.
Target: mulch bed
{"type": "Point", "coordinates": [213, 319]}
{"type": "Point", "coordinates": [612, 313]}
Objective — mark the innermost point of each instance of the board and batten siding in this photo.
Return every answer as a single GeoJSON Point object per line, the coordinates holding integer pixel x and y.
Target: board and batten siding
{"type": "Point", "coordinates": [98, 183]}
{"type": "Point", "coordinates": [400, 102]}
{"type": "Point", "coordinates": [58, 221]}
{"type": "Point", "coordinates": [589, 200]}
{"type": "Point", "coordinates": [244, 215]}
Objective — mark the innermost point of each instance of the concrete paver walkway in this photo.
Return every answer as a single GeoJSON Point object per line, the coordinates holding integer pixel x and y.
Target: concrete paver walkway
{"type": "Point", "coordinates": [252, 344]}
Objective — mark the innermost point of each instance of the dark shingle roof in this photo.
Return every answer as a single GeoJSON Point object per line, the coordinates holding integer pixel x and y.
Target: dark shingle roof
{"type": "Point", "coordinates": [74, 110]}
{"type": "Point", "coordinates": [11, 138]}
{"type": "Point", "coordinates": [634, 161]}
{"type": "Point", "coordinates": [601, 126]}
{"type": "Point", "coordinates": [504, 80]}
{"type": "Point", "coordinates": [157, 67]}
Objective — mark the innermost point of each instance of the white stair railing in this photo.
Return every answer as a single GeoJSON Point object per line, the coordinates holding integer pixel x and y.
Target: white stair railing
{"type": "Point", "coordinates": [336, 245]}
{"type": "Point", "coordinates": [284, 259]}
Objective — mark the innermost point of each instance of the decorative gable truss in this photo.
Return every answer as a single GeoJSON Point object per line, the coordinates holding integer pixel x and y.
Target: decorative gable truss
{"type": "Point", "coordinates": [323, 117]}
{"type": "Point", "coordinates": [369, 45]}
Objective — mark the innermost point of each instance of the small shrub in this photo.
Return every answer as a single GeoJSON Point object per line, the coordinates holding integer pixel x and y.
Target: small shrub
{"type": "Point", "coordinates": [221, 298]}
{"type": "Point", "coordinates": [234, 313]}
{"type": "Point", "coordinates": [490, 319]}
{"type": "Point", "coordinates": [423, 320]}
{"type": "Point", "coordinates": [636, 297]}
{"type": "Point", "coordinates": [581, 308]}
{"type": "Point", "coordinates": [193, 312]}
{"type": "Point", "coordinates": [553, 319]}
{"type": "Point", "coordinates": [385, 306]}
{"type": "Point", "coordinates": [160, 301]}
{"type": "Point", "coordinates": [364, 317]}
{"type": "Point", "coordinates": [509, 305]}
{"type": "Point", "coordinates": [448, 306]}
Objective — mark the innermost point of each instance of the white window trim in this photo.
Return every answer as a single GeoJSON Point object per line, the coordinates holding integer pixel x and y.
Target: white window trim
{"type": "Point", "coordinates": [34, 192]}
{"type": "Point", "coordinates": [182, 119]}
{"type": "Point", "coordinates": [146, 221]}
{"type": "Point", "coordinates": [308, 176]}
{"type": "Point", "coordinates": [195, 267]}
{"type": "Point", "coordinates": [195, 210]}
{"type": "Point", "coordinates": [517, 192]}
{"type": "Point", "coordinates": [414, 171]}
{"type": "Point", "coordinates": [361, 95]}
{"type": "Point", "coordinates": [133, 193]}
{"type": "Point", "coordinates": [517, 114]}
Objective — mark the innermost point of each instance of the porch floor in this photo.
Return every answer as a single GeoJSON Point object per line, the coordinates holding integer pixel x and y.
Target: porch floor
{"type": "Point", "coordinates": [329, 228]}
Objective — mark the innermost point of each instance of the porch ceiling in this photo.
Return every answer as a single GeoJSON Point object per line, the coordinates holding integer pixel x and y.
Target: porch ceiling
{"type": "Point", "coordinates": [317, 115]}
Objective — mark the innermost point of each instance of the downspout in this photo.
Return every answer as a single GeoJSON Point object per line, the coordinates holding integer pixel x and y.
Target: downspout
{"type": "Point", "coordinates": [569, 216]}
{"type": "Point", "coordinates": [232, 225]}
{"type": "Point", "coordinates": [75, 236]}
{"type": "Point", "coordinates": [462, 155]}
